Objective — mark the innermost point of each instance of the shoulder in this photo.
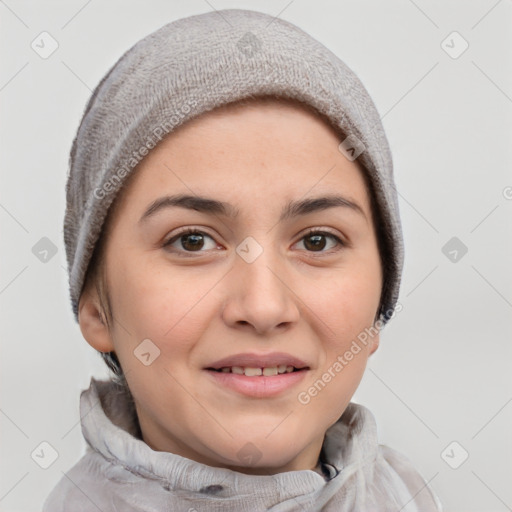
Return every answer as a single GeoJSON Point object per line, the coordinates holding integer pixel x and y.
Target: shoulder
{"type": "Point", "coordinates": [378, 477]}
{"type": "Point", "coordinates": [410, 481]}
{"type": "Point", "coordinates": [83, 488]}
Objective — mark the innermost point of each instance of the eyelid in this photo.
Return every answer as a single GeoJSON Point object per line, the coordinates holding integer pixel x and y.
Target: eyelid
{"type": "Point", "coordinates": [323, 231]}
{"type": "Point", "coordinates": [341, 242]}
{"type": "Point", "coordinates": [185, 231]}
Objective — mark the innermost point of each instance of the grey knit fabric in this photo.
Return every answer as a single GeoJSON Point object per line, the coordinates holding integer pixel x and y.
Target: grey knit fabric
{"type": "Point", "coordinates": [192, 66]}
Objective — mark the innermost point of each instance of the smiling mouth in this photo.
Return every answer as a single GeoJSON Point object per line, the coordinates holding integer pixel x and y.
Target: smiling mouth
{"type": "Point", "coordinates": [258, 381]}
{"type": "Point", "coordinates": [258, 371]}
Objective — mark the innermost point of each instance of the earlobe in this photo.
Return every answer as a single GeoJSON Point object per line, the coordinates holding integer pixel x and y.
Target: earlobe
{"type": "Point", "coordinates": [92, 323]}
{"type": "Point", "coordinates": [375, 343]}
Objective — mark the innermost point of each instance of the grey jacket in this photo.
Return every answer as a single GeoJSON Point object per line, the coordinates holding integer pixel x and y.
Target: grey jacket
{"type": "Point", "coordinates": [121, 473]}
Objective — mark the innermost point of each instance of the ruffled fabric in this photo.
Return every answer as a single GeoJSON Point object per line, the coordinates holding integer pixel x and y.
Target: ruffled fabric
{"type": "Point", "coordinates": [120, 472]}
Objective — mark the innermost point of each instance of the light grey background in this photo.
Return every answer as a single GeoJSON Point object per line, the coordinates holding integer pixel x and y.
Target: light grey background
{"type": "Point", "coordinates": [443, 370]}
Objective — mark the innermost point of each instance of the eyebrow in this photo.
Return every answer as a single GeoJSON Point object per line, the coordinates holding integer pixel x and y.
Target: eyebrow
{"type": "Point", "coordinates": [215, 207]}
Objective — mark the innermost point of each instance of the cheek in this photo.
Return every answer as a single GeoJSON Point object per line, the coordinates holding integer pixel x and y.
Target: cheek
{"type": "Point", "coordinates": [346, 300]}
{"type": "Point", "coordinates": [156, 301]}
{"type": "Point", "coordinates": [344, 307]}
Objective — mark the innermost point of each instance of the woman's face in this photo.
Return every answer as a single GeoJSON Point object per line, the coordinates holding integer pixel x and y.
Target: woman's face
{"type": "Point", "coordinates": [265, 245]}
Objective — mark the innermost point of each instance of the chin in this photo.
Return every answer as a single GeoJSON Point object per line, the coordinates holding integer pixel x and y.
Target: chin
{"type": "Point", "coordinates": [255, 453]}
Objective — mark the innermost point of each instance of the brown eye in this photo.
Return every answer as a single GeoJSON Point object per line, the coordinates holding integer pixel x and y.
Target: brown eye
{"type": "Point", "coordinates": [191, 241]}
{"type": "Point", "coordinates": [317, 241]}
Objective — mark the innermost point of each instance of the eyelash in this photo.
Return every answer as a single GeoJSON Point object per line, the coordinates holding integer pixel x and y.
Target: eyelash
{"type": "Point", "coordinates": [196, 231]}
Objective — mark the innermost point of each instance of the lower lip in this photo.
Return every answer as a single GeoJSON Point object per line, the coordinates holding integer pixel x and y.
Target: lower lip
{"type": "Point", "coordinates": [258, 386]}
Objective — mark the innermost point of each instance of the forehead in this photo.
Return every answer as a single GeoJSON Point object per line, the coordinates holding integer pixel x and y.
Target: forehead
{"type": "Point", "coordinates": [255, 109]}
{"type": "Point", "coordinates": [266, 147]}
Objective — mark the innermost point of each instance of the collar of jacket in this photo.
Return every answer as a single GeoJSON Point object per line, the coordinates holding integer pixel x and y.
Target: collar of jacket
{"type": "Point", "coordinates": [110, 427]}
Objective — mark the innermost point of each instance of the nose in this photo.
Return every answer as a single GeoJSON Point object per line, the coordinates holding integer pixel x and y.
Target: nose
{"type": "Point", "coordinates": [259, 296]}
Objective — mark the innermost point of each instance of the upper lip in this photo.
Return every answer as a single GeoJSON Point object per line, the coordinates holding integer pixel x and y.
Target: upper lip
{"type": "Point", "coordinates": [253, 360]}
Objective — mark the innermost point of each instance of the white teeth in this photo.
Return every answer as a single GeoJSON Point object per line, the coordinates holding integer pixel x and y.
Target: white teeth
{"type": "Point", "coordinates": [254, 372]}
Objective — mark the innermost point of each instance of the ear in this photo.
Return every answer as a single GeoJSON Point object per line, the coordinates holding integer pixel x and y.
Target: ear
{"type": "Point", "coordinates": [92, 322]}
{"type": "Point", "coordinates": [374, 344]}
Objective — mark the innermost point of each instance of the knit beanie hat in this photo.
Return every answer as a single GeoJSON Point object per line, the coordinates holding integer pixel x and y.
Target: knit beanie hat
{"type": "Point", "coordinates": [191, 66]}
